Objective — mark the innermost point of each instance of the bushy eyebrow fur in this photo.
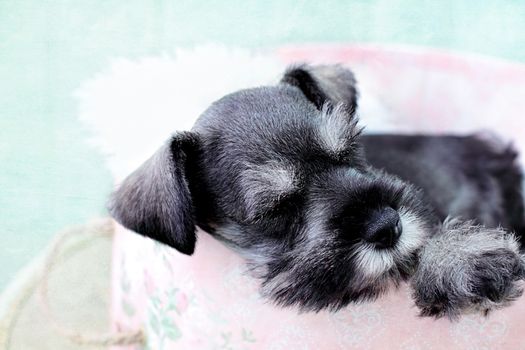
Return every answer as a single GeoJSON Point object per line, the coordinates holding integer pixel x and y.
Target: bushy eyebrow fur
{"type": "Point", "coordinates": [337, 129]}
{"type": "Point", "coordinates": [265, 184]}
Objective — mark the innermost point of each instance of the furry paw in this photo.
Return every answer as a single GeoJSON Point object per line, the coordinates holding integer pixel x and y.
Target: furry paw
{"type": "Point", "coordinates": [467, 268]}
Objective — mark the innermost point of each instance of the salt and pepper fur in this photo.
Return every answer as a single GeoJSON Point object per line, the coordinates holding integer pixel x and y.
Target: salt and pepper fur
{"type": "Point", "coordinates": [284, 176]}
{"type": "Point", "coordinates": [467, 267]}
{"type": "Point", "coordinates": [265, 183]}
{"type": "Point", "coordinates": [336, 132]}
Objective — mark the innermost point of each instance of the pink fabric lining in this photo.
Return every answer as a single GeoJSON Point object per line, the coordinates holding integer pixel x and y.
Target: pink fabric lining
{"type": "Point", "coordinates": [207, 301]}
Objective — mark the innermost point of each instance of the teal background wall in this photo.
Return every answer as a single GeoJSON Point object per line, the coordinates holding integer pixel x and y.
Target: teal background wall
{"type": "Point", "coordinates": [50, 178]}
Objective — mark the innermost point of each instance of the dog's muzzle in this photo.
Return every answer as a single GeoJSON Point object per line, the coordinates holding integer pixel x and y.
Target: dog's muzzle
{"type": "Point", "coordinates": [384, 228]}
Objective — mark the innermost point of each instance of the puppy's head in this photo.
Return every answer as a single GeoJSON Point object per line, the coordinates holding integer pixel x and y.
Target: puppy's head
{"type": "Point", "coordinates": [279, 174]}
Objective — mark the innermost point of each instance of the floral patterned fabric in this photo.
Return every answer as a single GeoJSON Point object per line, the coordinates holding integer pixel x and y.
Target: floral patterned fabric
{"type": "Point", "coordinates": [209, 301]}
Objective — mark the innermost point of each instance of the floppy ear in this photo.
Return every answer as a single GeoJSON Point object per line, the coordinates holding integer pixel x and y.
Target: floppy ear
{"type": "Point", "coordinates": [324, 84]}
{"type": "Point", "coordinates": [155, 200]}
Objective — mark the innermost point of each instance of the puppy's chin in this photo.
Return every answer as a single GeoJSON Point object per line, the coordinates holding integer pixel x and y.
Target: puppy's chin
{"type": "Point", "coordinates": [316, 289]}
{"type": "Point", "coordinates": [318, 271]}
{"type": "Point", "coordinates": [328, 277]}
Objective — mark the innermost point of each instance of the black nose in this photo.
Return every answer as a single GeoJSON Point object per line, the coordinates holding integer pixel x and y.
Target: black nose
{"type": "Point", "coordinates": [384, 228]}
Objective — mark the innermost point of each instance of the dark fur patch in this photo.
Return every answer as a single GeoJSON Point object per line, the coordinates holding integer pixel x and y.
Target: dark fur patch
{"type": "Point", "coordinates": [325, 85]}
{"type": "Point", "coordinates": [155, 200]}
{"type": "Point", "coordinates": [301, 78]}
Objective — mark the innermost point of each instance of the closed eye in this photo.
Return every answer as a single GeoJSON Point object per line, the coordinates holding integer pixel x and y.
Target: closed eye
{"type": "Point", "coordinates": [286, 205]}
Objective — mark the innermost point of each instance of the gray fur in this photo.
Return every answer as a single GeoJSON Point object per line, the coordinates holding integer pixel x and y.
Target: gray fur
{"type": "Point", "coordinates": [337, 82]}
{"type": "Point", "coordinates": [155, 199]}
{"type": "Point", "coordinates": [265, 184]}
{"type": "Point", "coordinates": [467, 268]}
{"type": "Point", "coordinates": [335, 131]}
{"type": "Point", "coordinates": [326, 216]}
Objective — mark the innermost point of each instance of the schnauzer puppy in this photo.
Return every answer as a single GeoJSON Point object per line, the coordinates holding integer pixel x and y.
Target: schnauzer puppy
{"type": "Point", "coordinates": [325, 215]}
